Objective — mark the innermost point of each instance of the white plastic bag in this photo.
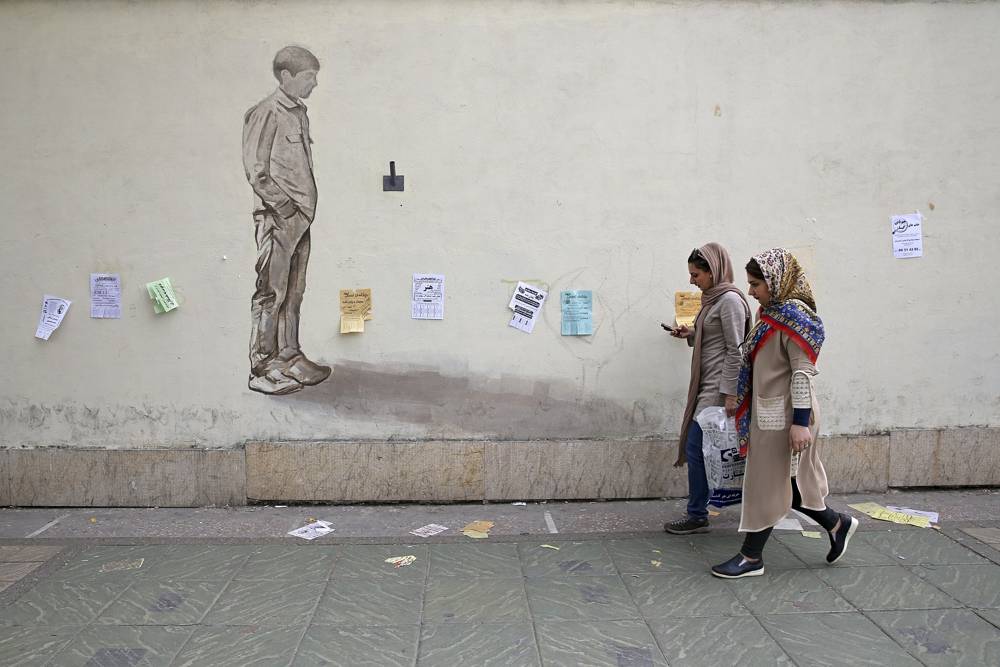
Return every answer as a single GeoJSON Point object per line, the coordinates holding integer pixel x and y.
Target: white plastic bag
{"type": "Point", "coordinates": [723, 465]}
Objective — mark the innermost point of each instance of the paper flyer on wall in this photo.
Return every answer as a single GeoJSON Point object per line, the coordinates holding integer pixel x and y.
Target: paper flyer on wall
{"type": "Point", "coordinates": [105, 296]}
{"type": "Point", "coordinates": [686, 307]}
{"type": "Point", "coordinates": [577, 312]}
{"type": "Point", "coordinates": [907, 235]}
{"type": "Point", "coordinates": [53, 311]}
{"type": "Point", "coordinates": [162, 294]}
{"type": "Point", "coordinates": [427, 297]}
{"type": "Point", "coordinates": [355, 309]}
{"type": "Point", "coordinates": [526, 303]}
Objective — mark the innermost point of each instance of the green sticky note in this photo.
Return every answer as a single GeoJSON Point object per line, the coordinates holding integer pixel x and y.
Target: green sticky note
{"type": "Point", "coordinates": [162, 294]}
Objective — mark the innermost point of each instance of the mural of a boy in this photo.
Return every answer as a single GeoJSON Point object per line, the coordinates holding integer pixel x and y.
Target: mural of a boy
{"type": "Point", "coordinates": [277, 158]}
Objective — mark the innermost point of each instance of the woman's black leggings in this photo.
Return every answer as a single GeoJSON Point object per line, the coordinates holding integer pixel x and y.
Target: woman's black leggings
{"type": "Point", "coordinates": [753, 543]}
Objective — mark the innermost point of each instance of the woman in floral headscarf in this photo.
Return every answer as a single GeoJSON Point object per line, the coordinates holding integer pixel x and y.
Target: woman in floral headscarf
{"type": "Point", "coordinates": [777, 417]}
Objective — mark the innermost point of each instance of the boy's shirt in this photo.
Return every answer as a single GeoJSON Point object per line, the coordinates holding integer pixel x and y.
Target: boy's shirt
{"type": "Point", "coordinates": [277, 156]}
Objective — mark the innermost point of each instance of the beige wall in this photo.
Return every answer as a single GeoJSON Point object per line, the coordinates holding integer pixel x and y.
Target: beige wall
{"type": "Point", "coordinates": [581, 145]}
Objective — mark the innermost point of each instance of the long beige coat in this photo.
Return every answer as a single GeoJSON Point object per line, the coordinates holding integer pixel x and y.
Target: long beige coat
{"type": "Point", "coordinates": [767, 491]}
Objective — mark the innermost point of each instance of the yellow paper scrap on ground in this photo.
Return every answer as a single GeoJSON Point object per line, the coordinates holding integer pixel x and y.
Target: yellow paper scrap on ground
{"type": "Point", "coordinates": [656, 563]}
{"type": "Point", "coordinates": [478, 530]}
{"type": "Point", "coordinates": [876, 511]}
{"type": "Point", "coordinates": [355, 309]}
{"type": "Point", "coordinates": [118, 565]}
{"type": "Point", "coordinates": [686, 307]}
{"type": "Point", "coordinates": [812, 533]}
{"type": "Point", "coordinates": [712, 513]}
{"type": "Point", "coordinates": [400, 561]}
{"type": "Point", "coordinates": [549, 546]}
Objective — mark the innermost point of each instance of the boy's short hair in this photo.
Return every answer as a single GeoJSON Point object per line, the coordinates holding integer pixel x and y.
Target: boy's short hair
{"type": "Point", "coordinates": [295, 59]}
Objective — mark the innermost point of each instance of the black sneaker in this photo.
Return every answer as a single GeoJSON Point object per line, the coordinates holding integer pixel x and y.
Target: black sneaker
{"type": "Point", "coordinates": [686, 526]}
{"type": "Point", "coordinates": [738, 567]}
{"type": "Point", "coordinates": [840, 539]}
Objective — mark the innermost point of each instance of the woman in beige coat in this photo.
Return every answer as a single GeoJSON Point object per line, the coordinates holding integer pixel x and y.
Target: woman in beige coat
{"type": "Point", "coordinates": [777, 416]}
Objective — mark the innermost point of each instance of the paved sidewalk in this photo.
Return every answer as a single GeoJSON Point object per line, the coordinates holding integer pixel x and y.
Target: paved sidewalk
{"type": "Point", "coordinates": [901, 596]}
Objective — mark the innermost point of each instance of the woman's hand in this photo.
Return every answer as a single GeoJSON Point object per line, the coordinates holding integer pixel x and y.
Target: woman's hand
{"type": "Point", "coordinates": [799, 438]}
{"type": "Point", "coordinates": [730, 405]}
{"type": "Point", "coordinates": [682, 331]}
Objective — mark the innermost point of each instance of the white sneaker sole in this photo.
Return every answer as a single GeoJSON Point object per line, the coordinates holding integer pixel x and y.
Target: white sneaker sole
{"type": "Point", "coordinates": [847, 540]}
{"type": "Point", "coordinates": [751, 573]}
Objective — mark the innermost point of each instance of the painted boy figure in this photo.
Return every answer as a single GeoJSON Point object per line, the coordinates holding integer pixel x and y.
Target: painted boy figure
{"type": "Point", "coordinates": [277, 158]}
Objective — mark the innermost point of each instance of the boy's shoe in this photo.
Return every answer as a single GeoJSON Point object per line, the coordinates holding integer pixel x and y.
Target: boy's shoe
{"type": "Point", "coordinates": [686, 526]}
{"type": "Point", "coordinates": [738, 567]}
{"type": "Point", "coordinates": [840, 539]}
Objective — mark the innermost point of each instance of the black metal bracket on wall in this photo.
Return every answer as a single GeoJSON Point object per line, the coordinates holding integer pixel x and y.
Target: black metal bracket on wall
{"type": "Point", "coordinates": [392, 182]}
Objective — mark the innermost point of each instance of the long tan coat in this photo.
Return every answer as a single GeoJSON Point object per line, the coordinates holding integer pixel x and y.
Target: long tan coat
{"type": "Point", "coordinates": [767, 491]}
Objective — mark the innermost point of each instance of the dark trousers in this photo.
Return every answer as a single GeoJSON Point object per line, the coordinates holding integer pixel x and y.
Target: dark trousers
{"type": "Point", "coordinates": [697, 481]}
{"type": "Point", "coordinates": [753, 543]}
{"type": "Point", "coordinates": [282, 256]}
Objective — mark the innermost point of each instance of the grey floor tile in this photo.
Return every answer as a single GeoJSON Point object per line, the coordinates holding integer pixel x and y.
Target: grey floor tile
{"type": "Point", "coordinates": [580, 598]}
{"type": "Point", "coordinates": [813, 552]}
{"type": "Point", "coordinates": [922, 546]}
{"type": "Point", "coordinates": [788, 592]}
{"type": "Point", "coordinates": [122, 646]}
{"type": "Point", "coordinates": [733, 641]}
{"type": "Point", "coordinates": [888, 587]}
{"type": "Point", "coordinates": [57, 602]}
{"type": "Point", "coordinates": [26, 553]}
{"type": "Point", "coordinates": [691, 594]}
{"type": "Point", "coordinates": [367, 561]}
{"type": "Point", "coordinates": [101, 564]}
{"type": "Point", "coordinates": [655, 555]}
{"type": "Point", "coordinates": [949, 637]}
{"type": "Point", "coordinates": [988, 535]}
{"type": "Point", "coordinates": [572, 558]}
{"type": "Point", "coordinates": [475, 600]}
{"type": "Point", "coordinates": [270, 603]}
{"type": "Point", "coordinates": [17, 571]}
{"type": "Point", "coordinates": [602, 644]}
{"type": "Point", "coordinates": [972, 585]}
{"type": "Point", "coordinates": [475, 560]}
{"type": "Point", "coordinates": [194, 561]}
{"type": "Point", "coordinates": [719, 548]}
{"type": "Point", "coordinates": [484, 645]}
{"type": "Point", "coordinates": [835, 640]}
{"type": "Point", "coordinates": [286, 563]}
{"type": "Point", "coordinates": [239, 647]}
{"type": "Point", "coordinates": [358, 646]}
{"type": "Point", "coordinates": [377, 601]}
{"type": "Point", "coordinates": [991, 615]}
{"type": "Point", "coordinates": [31, 646]}
{"type": "Point", "coordinates": [160, 602]}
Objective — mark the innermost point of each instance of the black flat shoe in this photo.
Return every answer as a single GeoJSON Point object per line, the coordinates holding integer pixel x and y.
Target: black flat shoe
{"type": "Point", "coordinates": [738, 567]}
{"type": "Point", "coordinates": [840, 539]}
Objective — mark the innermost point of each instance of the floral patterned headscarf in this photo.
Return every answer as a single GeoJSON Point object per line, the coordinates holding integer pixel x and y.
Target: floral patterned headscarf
{"type": "Point", "coordinates": [784, 277]}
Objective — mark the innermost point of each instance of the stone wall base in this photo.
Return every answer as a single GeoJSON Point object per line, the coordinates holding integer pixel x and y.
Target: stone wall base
{"type": "Point", "coordinates": [460, 471]}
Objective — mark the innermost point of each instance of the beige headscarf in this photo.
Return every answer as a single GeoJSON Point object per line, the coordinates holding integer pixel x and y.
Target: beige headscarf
{"type": "Point", "coordinates": [722, 275]}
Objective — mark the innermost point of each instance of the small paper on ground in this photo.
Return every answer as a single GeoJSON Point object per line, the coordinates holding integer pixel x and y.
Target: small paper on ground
{"type": "Point", "coordinates": [478, 530]}
{"type": "Point", "coordinates": [713, 513]}
{"type": "Point", "coordinates": [549, 546]}
{"type": "Point", "coordinates": [656, 563]}
{"type": "Point", "coordinates": [312, 531]}
{"type": "Point", "coordinates": [933, 517]}
{"type": "Point", "coordinates": [119, 565]}
{"type": "Point", "coordinates": [400, 561]}
{"type": "Point", "coordinates": [812, 533]}
{"type": "Point", "coordinates": [428, 530]}
{"type": "Point", "coordinates": [876, 511]}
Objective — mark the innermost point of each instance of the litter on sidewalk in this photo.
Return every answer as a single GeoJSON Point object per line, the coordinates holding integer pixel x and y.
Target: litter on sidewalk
{"type": "Point", "coordinates": [478, 530]}
{"type": "Point", "coordinates": [119, 565]}
{"type": "Point", "coordinates": [815, 534]}
{"type": "Point", "coordinates": [428, 530]}
{"type": "Point", "coordinates": [876, 511]}
{"type": "Point", "coordinates": [933, 517]}
{"type": "Point", "coordinates": [312, 530]}
{"type": "Point", "coordinates": [549, 546]}
{"type": "Point", "coordinates": [401, 561]}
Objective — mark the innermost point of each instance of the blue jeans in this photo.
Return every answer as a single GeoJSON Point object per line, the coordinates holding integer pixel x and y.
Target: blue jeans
{"type": "Point", "coordinates": [697, 482]}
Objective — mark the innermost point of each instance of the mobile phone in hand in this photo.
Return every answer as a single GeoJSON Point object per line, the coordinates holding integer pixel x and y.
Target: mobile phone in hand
{"type": "Point", "coordinates": [666, 327]}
